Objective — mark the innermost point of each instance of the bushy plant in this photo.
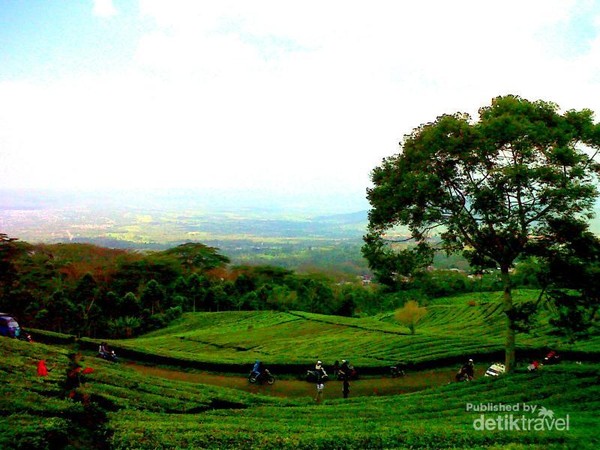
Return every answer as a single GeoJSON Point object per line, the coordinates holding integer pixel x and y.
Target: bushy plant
{"type": "Point", "coordinates": [410, 315]}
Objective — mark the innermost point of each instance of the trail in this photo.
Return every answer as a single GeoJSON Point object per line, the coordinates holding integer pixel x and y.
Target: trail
{"type": "Point", "coordinates": [290, 387]}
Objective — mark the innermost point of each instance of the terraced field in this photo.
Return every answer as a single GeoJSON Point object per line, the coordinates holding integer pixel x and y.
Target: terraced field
{"type": "Point", "coordinates": [120, 406]}
{"type": "Point", "coordinates": [453, 328]}
{"type": "Point", "coordinates": [127, 410]}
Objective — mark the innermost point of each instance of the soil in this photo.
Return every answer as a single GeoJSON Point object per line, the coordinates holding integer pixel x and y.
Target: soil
{"type": "Point", "coordinates": [290, 387]}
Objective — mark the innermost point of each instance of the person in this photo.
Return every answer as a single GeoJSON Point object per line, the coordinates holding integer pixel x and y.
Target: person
{"type": "Point", "coordinates": [470, 369]}
{"type": "Point", "coordinates": [398, 369]}
{"type": "Point", "coordinates": [321, 375]}
{"type": "Point", "coordinates": [73, 380]}
{"type": "Point", "coordinates": [466, 372]}
{"type": "Point", "coordinates": [257, 369]}
{"type": "Point", "coordinates": [336, 368]}
{"type": "Point", "coordinates": [344, 371]}
{"type": "Point", "coordinates": [42, 370]}
{"type": "Point", "coordinates": [346, 387]}
{"type": "Point", "coordinates": [533, 366]}
{"type": "Point", "coordinates": [552, 358]}
{"type": "Point", "coordinates": [74, 374]}
{"type": "Point", "coordinates": [103, 350]}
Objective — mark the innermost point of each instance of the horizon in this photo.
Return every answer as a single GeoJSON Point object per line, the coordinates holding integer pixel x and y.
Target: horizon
{"type": "Point", "coordinates": [180, 199]}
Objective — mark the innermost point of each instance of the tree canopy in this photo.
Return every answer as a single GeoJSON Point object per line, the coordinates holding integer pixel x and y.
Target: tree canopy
{"type": "Point", "coordinates": [486, 188]}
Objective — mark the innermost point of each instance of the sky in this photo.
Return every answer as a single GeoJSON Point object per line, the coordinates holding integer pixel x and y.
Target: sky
{"type": "Point", "coordinates": [289, 98]}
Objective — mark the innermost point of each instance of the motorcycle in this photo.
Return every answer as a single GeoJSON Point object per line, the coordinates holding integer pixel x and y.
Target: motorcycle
{"type": "Point", "coordinates": [463, 375]}
{"type": "Point", "coordinates": [25, 336]}
{"type": "Point", "coordinates": [552, 358]}
{"type": "Point", "coordinates": [264, 377]}
{"type": "Point", "coordinates": [352, 374]}
{"type": "Point", "coordinates": [397, 371]}
{"type": "Point", "coordinates": [109, 356]}
{"type": "Point", "coordinates": [312, 376]}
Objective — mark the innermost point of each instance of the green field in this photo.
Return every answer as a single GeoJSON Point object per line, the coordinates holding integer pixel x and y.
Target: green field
{"type": "Point", "coordinates": [129, 409]}
{"type": "Point", "coordinates": [454, 327]}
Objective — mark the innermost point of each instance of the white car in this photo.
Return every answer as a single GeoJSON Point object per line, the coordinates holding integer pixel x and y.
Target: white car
{"type": "Point", "coordinates": [495, 370]}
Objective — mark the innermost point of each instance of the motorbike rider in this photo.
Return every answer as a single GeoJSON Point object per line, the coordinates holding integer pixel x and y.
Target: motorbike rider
{"type": "Point", "coordinates": [344, 371]}
{"type": "Point", "coordinates": [320, 370]}
{"type": "Point", "coordinates": [552, 358]}
{"type": "Point", "coordinates": [398, 369]}
{"type": "Point", "coordinates": [105, 352]}
{"type": "Point", "coordinates": [467, 371]}
{"type": "Point", "coordinates": [335, 368]}
{"type": "Point", "coordinates": [321, 377]}
{"type": "Point", "coordinates": [257, 369]}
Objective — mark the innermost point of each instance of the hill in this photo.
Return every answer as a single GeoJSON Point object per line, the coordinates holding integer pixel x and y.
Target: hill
{"type": "Point", "coordinates": [454, 327]}
{"type": "Point", "coordinates": [121, 408]}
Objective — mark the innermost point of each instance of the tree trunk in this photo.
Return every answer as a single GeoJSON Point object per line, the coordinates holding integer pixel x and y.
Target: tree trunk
{"type": "Point", "coordinates": [509, 347]}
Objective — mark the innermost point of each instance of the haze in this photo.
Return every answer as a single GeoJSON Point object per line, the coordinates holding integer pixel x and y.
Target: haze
{"type": "Point", "coordinates": [301, 100]}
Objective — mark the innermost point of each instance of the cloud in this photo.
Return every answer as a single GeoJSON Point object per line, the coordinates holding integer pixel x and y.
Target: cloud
{"type": "Point", "coordinates": [269, 94]}
{"type": "Point", "coordinates": [104, 8]}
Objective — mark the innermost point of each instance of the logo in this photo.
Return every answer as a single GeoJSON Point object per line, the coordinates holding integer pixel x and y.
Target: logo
{"type": "Point", "coordinates": [516, 417]}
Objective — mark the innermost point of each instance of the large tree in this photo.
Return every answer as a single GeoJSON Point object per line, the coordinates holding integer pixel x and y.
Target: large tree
{"type": "Point", "coordinates": [486, 188]}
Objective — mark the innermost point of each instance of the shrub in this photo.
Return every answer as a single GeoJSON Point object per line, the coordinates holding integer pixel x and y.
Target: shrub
{"type": "Point", "coordinates": [410, 314]}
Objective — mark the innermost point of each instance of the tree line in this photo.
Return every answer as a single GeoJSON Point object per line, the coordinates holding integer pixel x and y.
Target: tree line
{"type": "Point", "coordinates": [95, 291]}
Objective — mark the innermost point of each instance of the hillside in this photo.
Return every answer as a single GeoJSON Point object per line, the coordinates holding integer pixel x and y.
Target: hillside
{"type": "Point", "coordinates": [123, 409]}
{"type": "Point", "coordinates": [470, 324]}
{"type": "Point", "coordinates": [138, 403]}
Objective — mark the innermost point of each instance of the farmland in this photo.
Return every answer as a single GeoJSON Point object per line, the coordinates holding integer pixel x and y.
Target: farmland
{"type": "Point", "coordinates": [129, 408]}
{"type": "Point", "coordinates": [453, 327]}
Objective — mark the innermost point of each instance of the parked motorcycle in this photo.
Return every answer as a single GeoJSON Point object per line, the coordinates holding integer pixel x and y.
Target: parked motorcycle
{"type": "Point", "coordinates": [265, 377]}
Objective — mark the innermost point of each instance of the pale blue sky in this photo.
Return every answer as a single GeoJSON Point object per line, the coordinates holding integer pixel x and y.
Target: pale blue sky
{"type": "Point", "coordinates": [297, 97]}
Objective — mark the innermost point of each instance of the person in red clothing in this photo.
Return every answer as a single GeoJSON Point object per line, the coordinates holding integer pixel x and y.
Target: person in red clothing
{"type": "Point", "coordinates": [42, 370]}
{"type": "Point", "coordinates": [74, 377]}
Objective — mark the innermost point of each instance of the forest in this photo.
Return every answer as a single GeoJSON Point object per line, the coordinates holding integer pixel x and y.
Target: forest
{"type": "Point", "coordinates": [94, 291]}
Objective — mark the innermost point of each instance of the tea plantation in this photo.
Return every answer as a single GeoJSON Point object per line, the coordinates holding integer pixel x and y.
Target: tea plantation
{"type": "Point", "coordinates": [453, 329]}
{"type": "Point", "coordinates": [121, 408]}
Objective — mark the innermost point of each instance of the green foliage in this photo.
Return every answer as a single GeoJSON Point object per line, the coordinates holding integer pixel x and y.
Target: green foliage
{"type": "Point", "coordinates": [570, 274]}
{"type": "Point", "coordinates": [453, 327]}
{"type": "Point", "coordinates": [410, 315]}
{"type": "Point", "coordinates": [153, 296]}
{"type": "Point", "coordinates": [124, 327]}
{"type": "Point", "coordinates": [442, 283]}
{"type": "Point", "coordinates": [490, 187]}
{"type": "Point", "coordinates": [81, 289]}
{"type": "Point", "coordinates": [195, 257]}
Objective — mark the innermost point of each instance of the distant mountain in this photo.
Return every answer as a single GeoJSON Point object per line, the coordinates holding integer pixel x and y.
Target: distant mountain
{"type": "Point", "coordinates": [347, 218]}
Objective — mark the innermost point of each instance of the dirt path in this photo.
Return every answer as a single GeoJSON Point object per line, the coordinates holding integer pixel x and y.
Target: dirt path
{"type": "Point", "coordinates": [294, 388]}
